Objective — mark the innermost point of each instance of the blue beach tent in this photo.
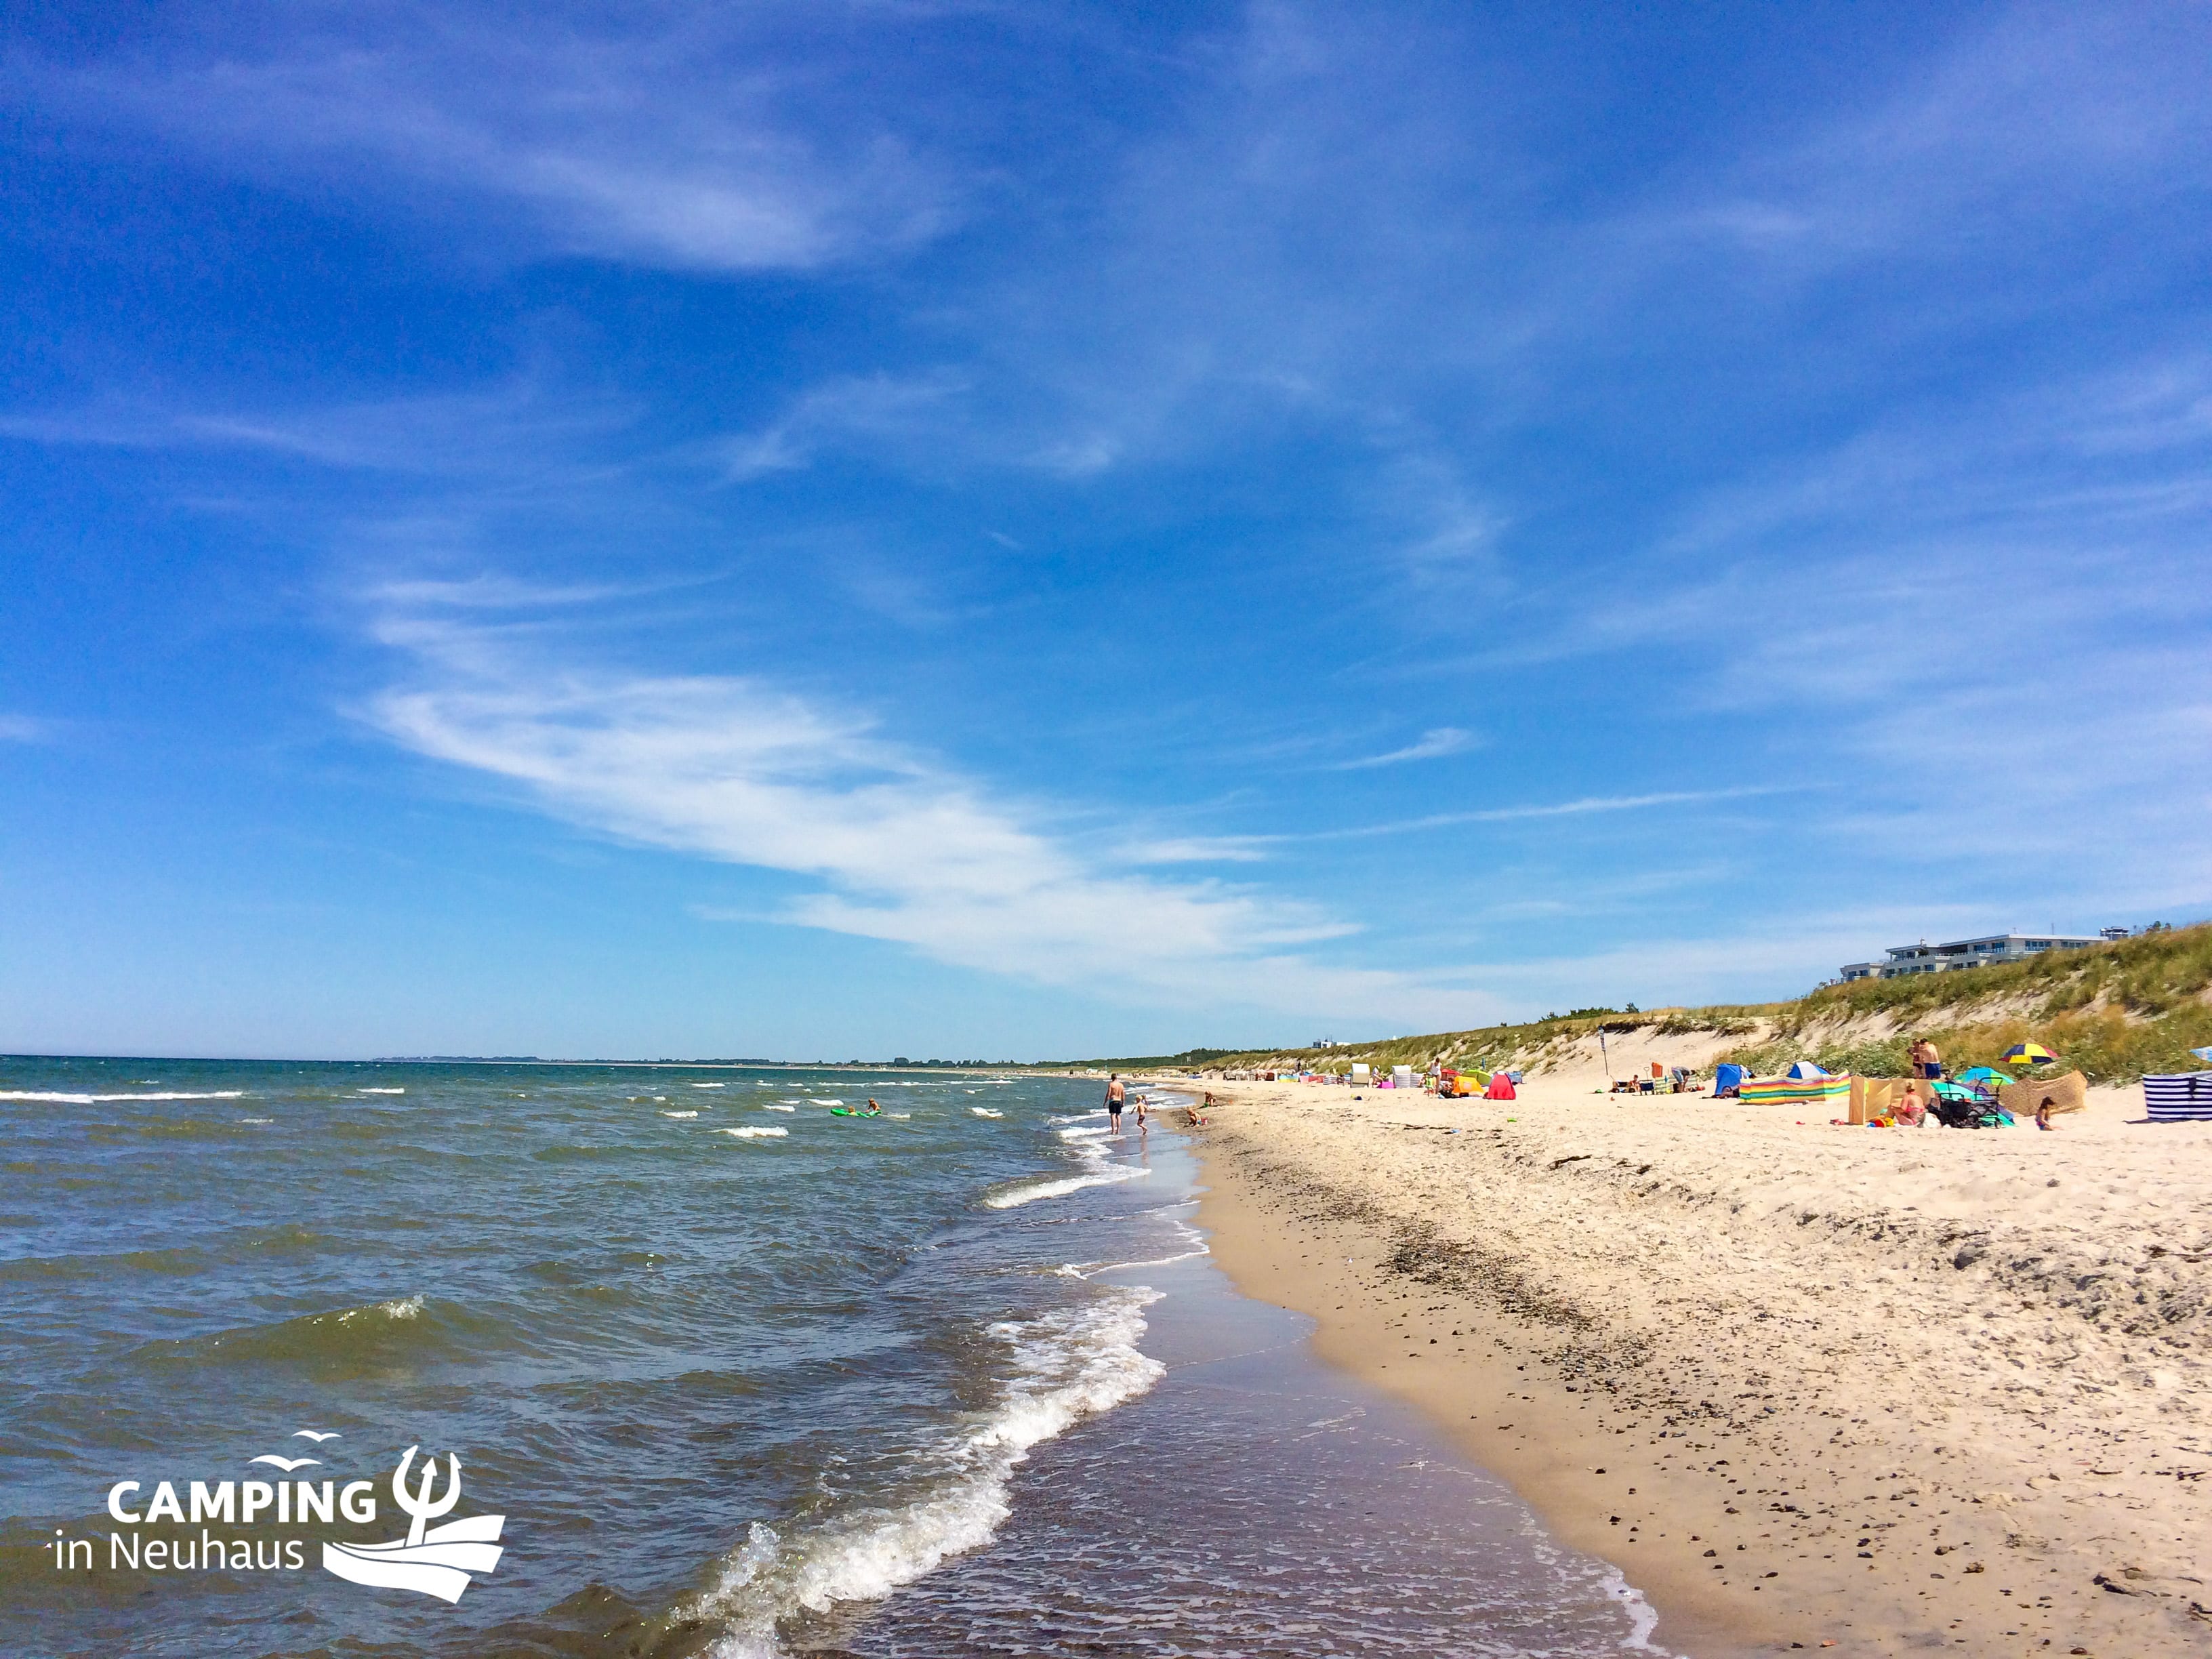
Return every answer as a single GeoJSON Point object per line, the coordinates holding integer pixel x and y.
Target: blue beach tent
{"type": "Point", "coordinates": [1727, 1079]}
{"type": "Point", "coordinates": [1804, 1068]}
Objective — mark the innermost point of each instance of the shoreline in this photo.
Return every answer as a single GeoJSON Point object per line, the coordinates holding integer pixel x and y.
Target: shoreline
{"type": "Point", "coordinates": [1890, 1390]}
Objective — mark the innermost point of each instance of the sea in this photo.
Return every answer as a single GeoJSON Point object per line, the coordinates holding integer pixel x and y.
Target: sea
{"type": "Point", "coordinates": [698, 1366]}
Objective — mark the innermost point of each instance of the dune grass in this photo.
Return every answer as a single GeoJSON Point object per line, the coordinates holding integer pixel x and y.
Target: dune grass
{"type": "Point", "coordinates": [2116, 1010]}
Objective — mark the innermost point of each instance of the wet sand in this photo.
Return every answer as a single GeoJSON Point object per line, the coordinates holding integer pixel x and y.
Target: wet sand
{"type": "Point", "coordinates": [1256, 1502]}
{"type": "Point", "coordinates": [1895, 1391]}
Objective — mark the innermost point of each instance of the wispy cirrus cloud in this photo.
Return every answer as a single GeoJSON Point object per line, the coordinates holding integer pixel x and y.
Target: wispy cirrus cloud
{"type": "Point", "coordinates": [26, 728]}
{"type": "Point", "coordinates": [1432, 744]}
{"type": "Point", "coordinates": [734, 770]}
{"type": "Point", "coordinates": [1196, 849]}
{"type": "Point", "coordinates": [885, 413]}
{"type": "Point", "coordinates": [1581, 807]}
{"type": "Point", "coordinates": [517, 429]}
{"type": "Point", "coordinates": [713, 141]}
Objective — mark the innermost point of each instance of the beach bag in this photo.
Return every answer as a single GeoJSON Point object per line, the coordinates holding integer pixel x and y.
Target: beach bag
{"type": "Point", "coordinates": [2069, 1093]}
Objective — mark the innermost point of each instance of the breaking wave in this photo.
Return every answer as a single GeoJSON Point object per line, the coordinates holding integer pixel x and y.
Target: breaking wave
{"type": "Point", "coordinates": [1030, 1192]}
{"type": "Point", "coordinates": [1067, 1366]}
{"type": "Point", "coordinates": [88, 1100]}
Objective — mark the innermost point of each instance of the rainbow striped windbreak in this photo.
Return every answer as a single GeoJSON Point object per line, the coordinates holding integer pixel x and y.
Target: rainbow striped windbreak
{"type": "Point", "coordinates": [1796, 1091]}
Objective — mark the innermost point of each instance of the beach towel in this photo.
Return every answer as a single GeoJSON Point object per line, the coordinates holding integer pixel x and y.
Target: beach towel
{"type": "Point", "coordinates": [2179, 1097]}
{"type": "Point", "coordinates": [2069, 1093]}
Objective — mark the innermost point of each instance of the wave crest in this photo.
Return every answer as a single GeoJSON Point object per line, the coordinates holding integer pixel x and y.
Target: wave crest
{"type": "Point", "coordinates": [1067, 1366]}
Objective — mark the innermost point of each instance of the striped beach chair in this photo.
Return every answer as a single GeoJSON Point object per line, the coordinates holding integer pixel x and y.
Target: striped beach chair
{"type": "Point", "coordinates": [2179, 1097]}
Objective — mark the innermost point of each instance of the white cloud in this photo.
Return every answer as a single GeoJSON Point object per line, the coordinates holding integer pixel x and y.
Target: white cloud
{"type": "Point", "coordinates": [885, 412]}
{"type": "Point", "coordinates": [24, 728]}
{"type": "Point", "coordinates": [1433, 744]}
{"type": "Point", "coordinates": [902, 849]}
{"type": "Point", "coordinates": [520, 429]}
{"type": "Point", "coordinates": [1566, 809]}
{"type": "Point", "coordinates": [690, 142]}
{"type": "Point", "coordinates": [1196, 849]}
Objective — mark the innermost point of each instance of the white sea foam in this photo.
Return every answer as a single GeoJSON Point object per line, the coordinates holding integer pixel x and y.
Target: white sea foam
{"type": "Point", "coordinates": [824, 1100]}
{"type": "Point", "coordinates": [1643, 1617]}
{"type": "Point", "coordinates": [710, 1086]}
{"type": "Point", "coordinates": [985, 1111]}
{"type": "Point", "coordinates": [1085, 1132]}
{"type": "Point", "coordinates": [679, 1114]}
{"type": "Point", "coordinates": [1067, 1366]}
{"type": "Point", "coordinates": [1016, 1197]}
{"type": "Point", "coordinates": [756, 1132]}
{"type": "Point", "coordinates": [778, 1106]}
{"type": "Point", "coordinates": [903, 1115]}
{"type": "Point", "coordinates": [87, 1100]}
{"type": "Point", "coordinates": [384, 1091]}
{"type": "Point", "coordinates": [405, 1308]}
{"type": "Point", "coordinates": [256, 1120]}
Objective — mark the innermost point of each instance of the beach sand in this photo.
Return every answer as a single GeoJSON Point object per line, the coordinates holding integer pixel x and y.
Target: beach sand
{"type": "Point", "coordinates": [1896, 1391]}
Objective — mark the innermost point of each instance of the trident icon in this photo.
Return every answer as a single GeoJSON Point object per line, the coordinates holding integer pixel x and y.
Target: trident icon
{"type": "Point", "coordinates": [419, 1505]}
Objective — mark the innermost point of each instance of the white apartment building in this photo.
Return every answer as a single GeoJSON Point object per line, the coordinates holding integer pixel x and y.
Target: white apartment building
{"type": "Point", "coordinates": [1926, 958]}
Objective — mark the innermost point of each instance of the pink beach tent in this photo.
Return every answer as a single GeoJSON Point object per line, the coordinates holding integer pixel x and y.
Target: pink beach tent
{"type": "Point", "coordinates": [1501, 1088]}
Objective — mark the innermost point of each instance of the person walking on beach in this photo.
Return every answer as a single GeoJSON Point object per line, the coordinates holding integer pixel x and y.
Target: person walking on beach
{"type": "Point", "coordinates": [1926, 1062]}
{"type": "Point", "coordinates": [1116, 1093]}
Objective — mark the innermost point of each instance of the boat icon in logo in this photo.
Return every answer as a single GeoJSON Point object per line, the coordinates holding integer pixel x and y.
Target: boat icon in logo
{"type": "Point", "coordinates": [431, 1560]}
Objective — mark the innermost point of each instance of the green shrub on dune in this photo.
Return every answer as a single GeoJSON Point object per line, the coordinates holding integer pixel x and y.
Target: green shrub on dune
{"type": "Point", "coordinates": [2116, 1010]}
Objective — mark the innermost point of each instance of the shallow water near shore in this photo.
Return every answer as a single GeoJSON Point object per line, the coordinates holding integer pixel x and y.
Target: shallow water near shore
{"type": "Point", "coordinates": [956, 1379]}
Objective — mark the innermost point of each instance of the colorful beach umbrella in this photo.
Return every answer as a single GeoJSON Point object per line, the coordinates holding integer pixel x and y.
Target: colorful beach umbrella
{"type": "Point", "coordinates": [2033, 1053]}
{"type": "Point", "coordinates": [1983, 1074]}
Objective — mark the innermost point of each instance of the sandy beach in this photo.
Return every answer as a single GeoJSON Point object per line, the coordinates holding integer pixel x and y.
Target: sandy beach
{"type": "Point", "coordinates": [1875, 1391]}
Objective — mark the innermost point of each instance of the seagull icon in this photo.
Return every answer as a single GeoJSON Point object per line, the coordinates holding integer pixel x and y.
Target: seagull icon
{"type": "Point", "coordinates": [316, 1435]}
{"type": "Point", "coordinates": [288, 1464]}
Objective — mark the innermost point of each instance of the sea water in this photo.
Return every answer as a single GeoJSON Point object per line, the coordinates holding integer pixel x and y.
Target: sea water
{"type": "Point", "coordinates": [741, 1376]}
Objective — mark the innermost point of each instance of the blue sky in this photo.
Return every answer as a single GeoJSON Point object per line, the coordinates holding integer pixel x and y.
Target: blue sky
{"type": "Point", "coordinates": [828, 530]}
